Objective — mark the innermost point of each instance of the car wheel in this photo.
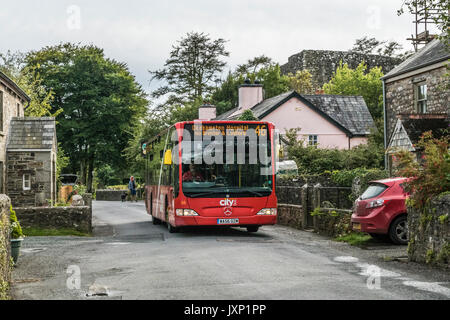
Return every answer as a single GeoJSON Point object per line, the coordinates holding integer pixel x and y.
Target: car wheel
{"type": "Point", "coordinates": [398, 231]}
{"type": "Point", "coordinates": [252, 228]}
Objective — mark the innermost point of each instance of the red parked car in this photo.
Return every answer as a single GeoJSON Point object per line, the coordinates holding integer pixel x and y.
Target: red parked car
{"type": "Point", "coordinates": [381, 210]}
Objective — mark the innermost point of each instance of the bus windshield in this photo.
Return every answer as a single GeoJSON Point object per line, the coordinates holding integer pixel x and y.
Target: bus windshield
{"type": "Point", "coordinates": [239, 167]}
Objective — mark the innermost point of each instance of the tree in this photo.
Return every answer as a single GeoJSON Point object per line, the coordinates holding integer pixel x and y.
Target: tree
{"type": "Point", "coordinates": [100, 99]}
{"type": "Point", "coordinates": [301, 82]}
{"type": "Point", "coordinates": [347, 81]}
{"type": "Point", "coordinates": [193, 66]}
{"type": "Point", "coordinates": [373, 46]}
{"type": "Point", "coordinates": [274, 83]}
{"type": "Point", "coordinates": [247, 115]}
{"type": "Point", "coordinates": [13, 65]}
{"type": "Point", "coordinates": [253, 66]}
{"type": "Point", "coordinates": [437, 10]}
{"type": "Point", "coordinates": [431, 175]}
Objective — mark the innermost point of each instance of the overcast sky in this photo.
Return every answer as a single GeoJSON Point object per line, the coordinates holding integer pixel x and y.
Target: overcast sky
{"type": "Point", "coordinates": [141, 33]}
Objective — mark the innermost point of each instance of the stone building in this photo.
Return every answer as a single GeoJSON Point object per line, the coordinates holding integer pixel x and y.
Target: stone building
{"type": "Point", "coordinates": [31, 161]}
{"type": "Point", "coordinates": [416, 97]}
{"type": "Point", "coordinates": [12, 103]}
{"type": "Point", "coordinates": [323, 63]}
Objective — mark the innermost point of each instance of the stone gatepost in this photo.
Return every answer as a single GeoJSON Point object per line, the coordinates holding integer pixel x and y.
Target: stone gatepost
{"type": "Point", "coordinates": [305, 206]}
{"type": "Point", "coordinates": [87, 198]}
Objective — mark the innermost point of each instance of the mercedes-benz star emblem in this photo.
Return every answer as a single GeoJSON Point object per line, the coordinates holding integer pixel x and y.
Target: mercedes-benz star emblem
{"type": "Point", "coordinates": [228, 211]}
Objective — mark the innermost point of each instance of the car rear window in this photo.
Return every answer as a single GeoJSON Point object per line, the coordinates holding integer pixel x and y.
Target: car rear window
{"type": "Point", "coordinates": [373, 190]}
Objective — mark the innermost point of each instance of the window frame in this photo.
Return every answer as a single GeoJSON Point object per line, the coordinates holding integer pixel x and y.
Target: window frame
{"type": "Point", "coordinates": [313, 140]}
{"type": "Point", "coordinates": [24, 180]}
{"type": "Point", "coordinates": [420, 104]}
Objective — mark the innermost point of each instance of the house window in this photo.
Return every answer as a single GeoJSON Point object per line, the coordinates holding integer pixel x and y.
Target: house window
{"type": "Point", "coordinates": [26, 181]}
{"type": "Point", "coordinates": [421, 97]}
{"type": "Point", "coordinates": [18, 109]}
{"type": "Point", "coordinates": [312, 140]}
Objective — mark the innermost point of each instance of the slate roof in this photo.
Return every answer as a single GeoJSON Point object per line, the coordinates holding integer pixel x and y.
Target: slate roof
{"type": "Point", "coordinates": [435, 51]}
{"type": "Point", "coordinates": [349, 113]}
{"type": "Point", "coordinates": [31, 133]}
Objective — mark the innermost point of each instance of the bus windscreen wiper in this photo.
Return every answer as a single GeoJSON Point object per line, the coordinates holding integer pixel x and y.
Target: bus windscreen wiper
{"type": "Point", "coordinates": [196, 195]}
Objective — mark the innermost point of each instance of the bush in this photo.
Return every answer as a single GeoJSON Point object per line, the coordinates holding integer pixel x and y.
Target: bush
{"type": "Point", "coordinates": [431, 175]}
{"type": "Point", "coordinates": [16, 230]}
{"type": "Point", "coordinates": [314, 160]}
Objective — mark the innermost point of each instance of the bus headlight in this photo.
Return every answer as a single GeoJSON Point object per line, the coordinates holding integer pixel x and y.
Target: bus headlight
{"type": "Point", "coordinates": [185, 212]}
{"type": "Point", "coordinates": [268, 212]}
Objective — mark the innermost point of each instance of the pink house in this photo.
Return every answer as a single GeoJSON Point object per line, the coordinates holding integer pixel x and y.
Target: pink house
{"type": "Point", "coordinates": [329, 121]}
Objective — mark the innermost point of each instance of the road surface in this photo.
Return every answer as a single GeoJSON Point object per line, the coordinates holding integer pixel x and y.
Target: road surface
{"type": "Point", "coordinates": [130, 258]}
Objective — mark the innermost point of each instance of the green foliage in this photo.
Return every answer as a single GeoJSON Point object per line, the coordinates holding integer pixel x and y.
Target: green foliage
{"type": "Point", "coordinates": [316, 212]}
{"type": "Point", "coordinates": [192, 68]}
{"type": "Point", "coordinates": [247, 115]}
{"type": "Point", "coordinates": [314, 160]}
{"type": "Point", "coordinates": [374, 46]}
{"type": "Point", "coordinates": [100, 99]}
{"type": "Point", "coordinates": [443, 219]}
{"type": "Point", "coordinates": [301, 82]}
{"type": "Point", "coordinates": [346, 177]}
{"type": "Point", "coordinates": [16, 230]}
{"type": "Point", "coordinates": [355, 238]}
{"type": "Point", "coordinates": [359, 81]}
{"type": "Point", "coordinates": [30, 81]}
{"type": "Point", "coordinates": [62, 161]}
{"type": "Point", "coordinates": [429, 177]}
{"type": "Point", "coordinates": [268, 74]}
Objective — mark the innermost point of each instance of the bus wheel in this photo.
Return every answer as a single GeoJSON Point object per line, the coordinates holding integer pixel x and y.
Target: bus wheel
{"type": "Point", "coordinates": [252, 228]}
{"type": "Point", "coordinates": [171, 228]}
{"type": "Point", "coordinates": [155, 220]}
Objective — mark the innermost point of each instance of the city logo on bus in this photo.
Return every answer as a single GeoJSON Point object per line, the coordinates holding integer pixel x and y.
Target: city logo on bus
{"type": "Point", "coordinates": [228, 202]}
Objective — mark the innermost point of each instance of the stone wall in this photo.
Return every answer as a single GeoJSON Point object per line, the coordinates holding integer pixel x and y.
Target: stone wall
{"type": "Point", "coordinates": [400, 96]}
{"type": "Point", "coordinates": [109, 195]}
{"type": "Point", "coordinates": [323, 63]}
{"type": "Point", "coordinates": [291, 215]}
{"type": "Point", "coordinates": [78, 218]}
{"type": "Point", "coordinates": [38, 165]}
{"type": "Point", "coordinates": [5, 251]}
{"type": "Point", "coordinates": [10, 102]}
{"type": "Point", "coordinates": [429, 233]}
{"type": "Point", "coordinates": [313, 208]}
{"type": "Point", "coordinates": [332, 222]}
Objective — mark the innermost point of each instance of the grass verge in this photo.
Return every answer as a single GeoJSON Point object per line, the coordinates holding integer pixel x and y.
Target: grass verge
{"type": "Point", "coordinates": [355, 238]}
{"type": "Point", "coordinates": [41, 232]}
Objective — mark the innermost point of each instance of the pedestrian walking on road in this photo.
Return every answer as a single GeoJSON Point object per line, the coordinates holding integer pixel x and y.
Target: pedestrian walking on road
{"type": "Point", "coordinates": [132, 188]}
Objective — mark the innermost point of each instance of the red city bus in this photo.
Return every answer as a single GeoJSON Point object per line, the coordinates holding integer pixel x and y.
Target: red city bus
{"type": "Point", "coordinates": [212, 173]}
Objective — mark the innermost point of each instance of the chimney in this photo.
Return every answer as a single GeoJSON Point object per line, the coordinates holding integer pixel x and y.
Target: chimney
{"type": "Point", "coordinates": [250, 94]}
{"type": "Point", "coordinates": [206, 112]}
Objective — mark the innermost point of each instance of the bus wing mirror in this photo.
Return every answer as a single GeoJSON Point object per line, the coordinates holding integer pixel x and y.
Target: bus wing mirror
{"type": "Point", "coordinates": [168, 157]}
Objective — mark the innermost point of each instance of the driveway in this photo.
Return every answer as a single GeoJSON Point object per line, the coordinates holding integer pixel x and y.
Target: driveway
{"type": "Point", "coordinates": [130, 258]}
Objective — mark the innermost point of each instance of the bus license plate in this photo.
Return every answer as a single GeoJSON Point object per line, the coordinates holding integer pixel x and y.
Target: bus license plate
{"type": "Point", "coordinates": [227, 221]}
